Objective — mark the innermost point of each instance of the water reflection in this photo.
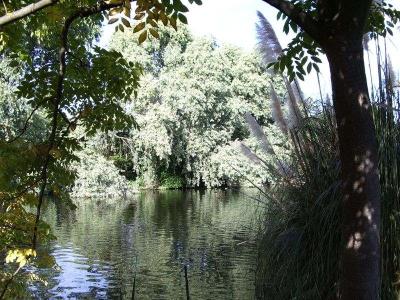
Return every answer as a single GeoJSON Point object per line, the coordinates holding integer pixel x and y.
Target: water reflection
{"type": "Point", "coordinates": [77, 278]}
{"type": "Point", "coordinates": [103, 244]}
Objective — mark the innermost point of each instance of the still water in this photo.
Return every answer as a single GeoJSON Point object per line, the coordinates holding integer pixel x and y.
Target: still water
{"type": "Point", "coordinates": [104, 244]}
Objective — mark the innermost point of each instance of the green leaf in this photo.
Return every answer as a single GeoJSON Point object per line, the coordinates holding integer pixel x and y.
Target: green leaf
{"type": "Point", "coordinates": [300, 76]}
{"type": "Point", "coordinates": [309, 67]}
{"type": "Point", "coordinates": [139, 27]}
{"type": "Point", "coordinates": [316, 59]}
{"type": "Point", "coordinates": [316, 67]}
{"type": "Point", "coordinates": [112, 21]}
{"type": "Point", "coordinates": [293, 25]}
{"type": "Point", "coordinates": [172, 21]}
{"type": "Point", "coordinates": [142, 37]}
{"type": "Point", "coordinates": [154, 33]}
{"type": "Point", "coordinates": [286, 27]}
{"type": "Point", "coordinates": [126, 22]}
{"type": "Point", "coordinates": [182, 18]}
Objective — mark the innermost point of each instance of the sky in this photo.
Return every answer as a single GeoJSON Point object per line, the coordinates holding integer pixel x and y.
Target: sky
{"type": "Point", "coordinates": [233, 22]}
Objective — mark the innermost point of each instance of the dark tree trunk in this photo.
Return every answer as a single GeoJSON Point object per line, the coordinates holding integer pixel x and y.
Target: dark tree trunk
{"type": "Point", "coordinates": [338, 26]}
{"type": "Point", "coordinates": [360, 255]}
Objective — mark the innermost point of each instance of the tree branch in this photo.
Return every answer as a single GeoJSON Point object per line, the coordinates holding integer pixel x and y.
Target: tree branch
{"type": "Point", "coordinates": [80, 13]}
{"type": "Point", "coordinates": [298, 16]}
{"type": "Point", "coordinates": [25, 11]}
{"type": "Point", "coordinates": [3, 292]}
{"type": "Point", "coordinates": [26, 124]}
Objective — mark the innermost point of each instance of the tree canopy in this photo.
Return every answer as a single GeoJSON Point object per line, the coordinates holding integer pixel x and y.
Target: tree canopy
{"type": "Point", "coordinates": [48, 51]}
{"type": "Point", "coordinates": [337, 28]}
{"type": "Point", "coordinates": [187, 115]}
{"type": "Point", "coordinates": [190, 108]}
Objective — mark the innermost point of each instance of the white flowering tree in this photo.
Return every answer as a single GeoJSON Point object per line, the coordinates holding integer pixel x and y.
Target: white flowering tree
{"type": "Point", "coordinates": [190, 109]}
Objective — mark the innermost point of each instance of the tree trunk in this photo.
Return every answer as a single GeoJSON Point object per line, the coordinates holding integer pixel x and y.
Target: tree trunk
{"type": "Point", "coordinates": [360, 252]}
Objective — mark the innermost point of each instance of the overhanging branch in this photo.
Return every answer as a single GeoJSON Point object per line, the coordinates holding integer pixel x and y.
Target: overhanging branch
{"type": "Point", "coordinates": [79, 13]}
{"type": "Point", "coordinates": [298, 16]}
{"type": "Point", "coordinates": [25, 11]}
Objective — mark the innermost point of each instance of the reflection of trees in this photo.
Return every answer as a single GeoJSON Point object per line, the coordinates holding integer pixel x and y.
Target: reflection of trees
{"type": "Point", "coordinates": [164, 230]}
{"type": "Point", "coordinates": [59, 212]}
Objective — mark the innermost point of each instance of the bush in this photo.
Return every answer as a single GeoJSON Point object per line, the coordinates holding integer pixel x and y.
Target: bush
{"type": "Point", "coordinates": [98, 177]}
{"type": "Point", "coordinates": [125, 165]}
{"type": "Point", "coordinates": [300, 238]}
{"type": "Point", "coordinates": [171, 182]}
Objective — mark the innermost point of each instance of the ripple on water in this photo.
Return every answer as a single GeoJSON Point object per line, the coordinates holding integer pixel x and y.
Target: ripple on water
{"type": "Point", "coordinates": [76, 278]}
{"type": "Point", "coordinates": [101, 247]}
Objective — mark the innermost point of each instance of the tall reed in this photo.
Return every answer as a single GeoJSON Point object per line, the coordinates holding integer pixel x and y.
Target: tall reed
{"type": "Point", "coordinates": [298, 249]}
{"type": "Point", "coordinates": [300, 236]}
{"type": "Point", "coordinates": [386, 118]}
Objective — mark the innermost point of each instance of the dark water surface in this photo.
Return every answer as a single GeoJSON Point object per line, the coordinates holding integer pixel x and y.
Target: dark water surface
{"type": "Point", "coordinates": [104, 243]}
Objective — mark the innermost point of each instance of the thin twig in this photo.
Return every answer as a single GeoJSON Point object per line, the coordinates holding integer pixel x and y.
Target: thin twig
{"type": "Point", "coordinates": [80, 13]}
{"type": "Point", "coordinates": [5, 7]}
{"type": "Point", "coordinates": [9, 281]}
{"type": "Point", "coordinates": [25, 127]}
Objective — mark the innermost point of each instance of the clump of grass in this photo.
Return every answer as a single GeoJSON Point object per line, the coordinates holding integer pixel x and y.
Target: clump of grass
{"type": "Point", "coordinates": [300, 236]}
{"type": "Point", "coordinates": [299, 244]}
{"type": "Point", "coordinates": [386, 118]}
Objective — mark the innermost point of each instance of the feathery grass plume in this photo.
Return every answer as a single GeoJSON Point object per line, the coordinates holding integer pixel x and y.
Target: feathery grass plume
{"type": "Point", "coordinates": [277, 113]}
{"type": "Point", "coordinates": [246, 151]}
{"type": "Point", "coordinates": [258, 132]}
{"type": "Point", "coordinates": [390, 76]}
{"type": "Point", "coordinates": [276, 166]}
{"type": "Point", "coordinates": [268, 43]}
{"type": "Point", "coordinates": [299, 245]}
{"type": "Point", "coordinates": [271, 49]}
{"type": "Point", "coordinates": [294, 117]}
{"type": "Point", "coordinates": [365, 41]}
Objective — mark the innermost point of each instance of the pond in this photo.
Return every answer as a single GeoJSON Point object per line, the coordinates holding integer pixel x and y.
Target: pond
{"type": "Point", "coordinates": [105, 247]}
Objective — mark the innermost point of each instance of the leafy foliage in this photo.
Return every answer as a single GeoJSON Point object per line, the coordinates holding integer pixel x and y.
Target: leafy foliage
{"type": "Point", "coordinates": [190, 109]}
{"type": "Point", "coordinates": [302, 218]}
{"type": "Point", "coordinates": [303, 208]}
{"type": "Point", "coordinates": [97, 177]}
{"type": "Point", "coordinates": [301, 56]}
{"type": "Point", "coordinates": [62, 81]}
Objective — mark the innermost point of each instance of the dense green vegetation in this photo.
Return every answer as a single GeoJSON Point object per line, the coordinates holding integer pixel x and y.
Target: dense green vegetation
{"type": "Point", "coordinates": [162, 109]}
{"type": "Point", "coordinates": [186, 134]}
{"type": "Point", "coordinates": [300, 240]}
{"type": "Point", "coordinates": [171, 133]}
{"type": "Point", "coordinates": [337, 29]}
{"type": "Point", "coordinates": [190, 113]}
